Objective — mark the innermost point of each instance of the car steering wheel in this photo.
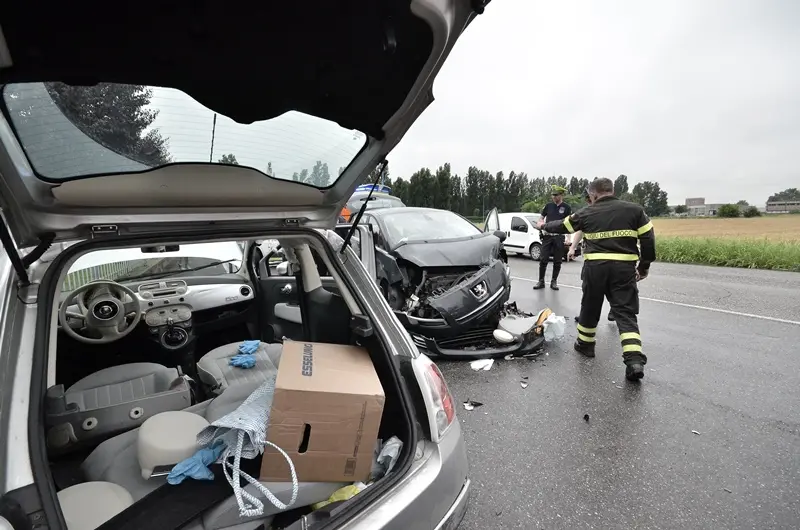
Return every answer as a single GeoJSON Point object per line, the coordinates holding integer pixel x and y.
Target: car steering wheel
{"type": "Point", "coordinates": [104, 312]}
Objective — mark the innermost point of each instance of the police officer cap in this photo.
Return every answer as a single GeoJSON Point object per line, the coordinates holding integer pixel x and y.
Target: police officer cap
{"type": "Point", "coordinates": [558, 190]}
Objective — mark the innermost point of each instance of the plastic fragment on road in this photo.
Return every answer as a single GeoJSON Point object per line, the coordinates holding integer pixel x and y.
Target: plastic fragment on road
{"type": "Point", "coordinates": [386, 455]}
{"type": "Point", "coordinates": [523, 384]}
{"type": "Point", "coordinates": [585, 417]}
{"type": "Point", "coordinates": [472, 405]}
{"type": "Point", "coordinates": [696, 433]}
{"type": "Point", "coordinates": [554, 327]}
{"type": "Point", "coordinates": [482, 364]}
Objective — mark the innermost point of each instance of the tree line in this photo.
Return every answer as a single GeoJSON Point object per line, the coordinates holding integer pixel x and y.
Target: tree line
{"type": "Point", "coordinates": [479, 190]}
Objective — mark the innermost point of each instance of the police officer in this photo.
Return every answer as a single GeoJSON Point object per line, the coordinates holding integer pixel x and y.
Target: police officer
{"type": "Point", "coordinates": [553, 244]}
{"type": "Point", "coordinates": [612, 229]}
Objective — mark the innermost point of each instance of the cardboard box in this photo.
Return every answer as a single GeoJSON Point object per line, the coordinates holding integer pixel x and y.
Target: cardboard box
{"type": "Point", "coordinates": [325, 415]}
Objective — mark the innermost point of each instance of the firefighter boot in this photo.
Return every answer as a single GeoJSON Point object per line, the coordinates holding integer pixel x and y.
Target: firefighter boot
{"type": "Point", "coordinates": [584, 348]}
{"type": "Point", "coordinates": [634, 371]}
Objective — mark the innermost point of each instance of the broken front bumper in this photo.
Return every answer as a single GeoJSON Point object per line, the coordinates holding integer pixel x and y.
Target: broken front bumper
{"type": "Point", "coordinates": [466, 306]}
{"type": "Point", "coordinates": [477, 344]}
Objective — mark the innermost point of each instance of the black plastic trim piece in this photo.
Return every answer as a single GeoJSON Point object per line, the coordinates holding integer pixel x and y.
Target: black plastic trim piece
{"type": "Point", "coordinates": [44, 243]}
{"type": "Point", "coordinates": [13, 254]}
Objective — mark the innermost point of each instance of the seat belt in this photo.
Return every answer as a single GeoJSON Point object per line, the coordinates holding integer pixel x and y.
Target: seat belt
{"type": "Point", "coordinates": [171, 507]}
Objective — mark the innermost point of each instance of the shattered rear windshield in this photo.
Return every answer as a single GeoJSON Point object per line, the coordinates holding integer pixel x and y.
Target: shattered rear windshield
{"type": "Point", "coordinates": [72, 131]}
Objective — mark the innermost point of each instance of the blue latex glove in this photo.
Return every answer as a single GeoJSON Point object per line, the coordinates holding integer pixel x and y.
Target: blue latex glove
{"type": "Point", "coordinates": [249, 346]}
{"type": "Point", "coordinates": [243, 360]}
{"type": "Point", "coordinates": [196, 466]}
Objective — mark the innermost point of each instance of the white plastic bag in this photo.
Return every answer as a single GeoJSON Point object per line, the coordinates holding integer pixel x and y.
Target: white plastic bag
{"type": "Point", "coordinates": [554, 327]}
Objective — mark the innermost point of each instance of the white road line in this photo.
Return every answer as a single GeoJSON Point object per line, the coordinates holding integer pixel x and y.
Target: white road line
{"type": "Point", "coordinates": [691, 306]}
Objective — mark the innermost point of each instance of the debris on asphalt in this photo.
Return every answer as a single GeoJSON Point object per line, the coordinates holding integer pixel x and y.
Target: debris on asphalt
{"type": "Point", "coordinates": [619, 387]}
{"type": "Point", "coordinates": [585, 417]}
{"type": "Point", "coordinates": [696, 432]}
{"type": "Point", "coordinates": [726, 489]}
{"type": "Point", "coordinates": [482, 364]}
{"type": "Point", "coordinates": [523, 384]}
{"type": "Point", "coordinates": [554, 327]}
{"type": "Point", "coordinates": [472, 405]}
{"type": "Point", "coordinates": [613, 382]}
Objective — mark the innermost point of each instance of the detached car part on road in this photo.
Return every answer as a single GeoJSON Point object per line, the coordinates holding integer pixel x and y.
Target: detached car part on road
{"type": "Point", "coordinates": [69, 189]}
{"type": "Point", "coordinates": [447, 282]}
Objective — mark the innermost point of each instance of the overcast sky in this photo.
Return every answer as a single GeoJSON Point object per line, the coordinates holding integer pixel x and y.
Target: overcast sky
{"type": "Point", "coordinates": [702, 96]}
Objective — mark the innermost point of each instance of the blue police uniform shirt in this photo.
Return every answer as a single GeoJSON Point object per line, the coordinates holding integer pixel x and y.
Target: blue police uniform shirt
{"type": "Point", "coordinates": [555, 212]}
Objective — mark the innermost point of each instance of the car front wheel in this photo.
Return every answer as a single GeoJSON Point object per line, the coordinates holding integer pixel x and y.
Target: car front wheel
{"type": "Point", "coordinates": [535, 251]}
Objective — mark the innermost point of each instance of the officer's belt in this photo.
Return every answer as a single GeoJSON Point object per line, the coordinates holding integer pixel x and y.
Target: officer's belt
{"type": "Point", "coordinates": [611, 256]}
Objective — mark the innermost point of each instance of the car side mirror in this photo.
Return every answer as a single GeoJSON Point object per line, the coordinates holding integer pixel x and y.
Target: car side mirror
{"type": "Point", "coordinates": [499, 234]}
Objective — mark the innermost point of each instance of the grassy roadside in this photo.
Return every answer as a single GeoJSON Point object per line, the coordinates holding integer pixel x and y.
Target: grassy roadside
{"type": "Point", "coordinates": [743, 253]}
{"type": "Point", "coordinates": [769, 242]}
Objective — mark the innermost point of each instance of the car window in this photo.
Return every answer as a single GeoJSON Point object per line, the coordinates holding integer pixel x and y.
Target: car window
{"type": "Point", "coordinates": [518, 224]}
{"type": "Point", "coordinates": [405, 224]}
{"type": "Point", "coordinates": [376, 231]}
{"type": "Point", "coordinates": [293, 146]}
{"type": "Point", "coordinates": [117, 264]}
{"type": "Point", "coordinates": [533, 218]}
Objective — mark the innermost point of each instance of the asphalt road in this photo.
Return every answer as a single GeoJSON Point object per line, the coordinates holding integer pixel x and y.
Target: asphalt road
{"type": "Point", "coordinates": [636, 463]}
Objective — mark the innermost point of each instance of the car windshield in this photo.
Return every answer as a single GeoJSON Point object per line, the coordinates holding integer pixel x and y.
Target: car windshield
{"type": "Point", "coordinates": [404, 225]}
{"type": "Point", "coordinates": [212, 259]}
{"type": "Point", "coordinates": [73, 131]}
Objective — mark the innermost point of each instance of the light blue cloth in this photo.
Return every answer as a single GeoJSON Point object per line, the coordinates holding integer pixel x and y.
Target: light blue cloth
{"type": "Point", "coordinates": [196, 466]}
{"type": "Point", "coordinates": [249, 346]}
{"type": "Point", "coordinates": [243, 360]}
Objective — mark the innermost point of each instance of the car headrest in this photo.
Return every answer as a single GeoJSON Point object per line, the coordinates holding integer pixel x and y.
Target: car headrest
{"type": "Point", "coordinates": [168, 438]}
{"type": "Point", "coordinates": [90, 504]}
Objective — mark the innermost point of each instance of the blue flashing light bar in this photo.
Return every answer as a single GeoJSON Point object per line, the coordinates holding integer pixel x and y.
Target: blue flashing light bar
{"type": "Point", "coordinates": [380, 188]}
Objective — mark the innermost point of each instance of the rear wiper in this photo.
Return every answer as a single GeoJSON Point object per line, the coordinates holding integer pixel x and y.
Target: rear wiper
{"type": "Point", "coordinates": [381, 175]}
{"type": "Point", "coordinates": [172, 273]}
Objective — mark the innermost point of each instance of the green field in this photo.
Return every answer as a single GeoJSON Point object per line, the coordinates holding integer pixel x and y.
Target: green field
{"type": "Point", "coordinates": [768, 242]}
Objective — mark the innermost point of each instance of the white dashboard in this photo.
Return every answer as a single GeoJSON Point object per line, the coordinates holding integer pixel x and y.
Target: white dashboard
{"type": "Point", "coordinates": [179, 300]}
{"type": "Point", "coordinates": [196, 297]}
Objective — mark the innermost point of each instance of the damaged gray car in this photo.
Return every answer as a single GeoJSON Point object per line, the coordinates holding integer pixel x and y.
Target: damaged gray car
{"type": "Point", "coordinates": [449, 283]}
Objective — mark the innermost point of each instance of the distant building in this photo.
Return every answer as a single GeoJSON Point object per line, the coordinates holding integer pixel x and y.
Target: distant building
{"type": "Point", "coordinates": [697, 207]}
{"type": "Point", "coordinates": [783, 206]}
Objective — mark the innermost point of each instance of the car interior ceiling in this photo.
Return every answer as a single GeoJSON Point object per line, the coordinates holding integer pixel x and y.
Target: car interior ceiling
{"type": "Point", "coordinates": [326, 317]}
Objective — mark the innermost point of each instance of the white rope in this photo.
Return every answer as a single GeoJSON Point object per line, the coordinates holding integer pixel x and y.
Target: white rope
{"type": "Point", "coordinates": [250, 505]}
{"type": "Point", "coordinates": [244, 433]}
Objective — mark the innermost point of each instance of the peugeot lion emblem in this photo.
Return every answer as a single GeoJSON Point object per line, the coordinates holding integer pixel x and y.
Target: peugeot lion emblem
{"type": "Point", "coordinates": [479, 290]}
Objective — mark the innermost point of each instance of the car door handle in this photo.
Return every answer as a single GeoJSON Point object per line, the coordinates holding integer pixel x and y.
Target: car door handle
{"type": "Point", "coordinates": [286, 289]}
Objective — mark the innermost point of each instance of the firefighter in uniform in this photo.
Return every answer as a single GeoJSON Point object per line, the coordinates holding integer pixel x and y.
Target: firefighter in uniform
{"type": "Point", "coordinates": [553, 244]}
{"type": "Point", "coordinates": [613, 231]}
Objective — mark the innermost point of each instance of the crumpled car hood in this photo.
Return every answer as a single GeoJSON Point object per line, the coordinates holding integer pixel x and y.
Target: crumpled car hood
{"type": "Point", "coordinates": [457, 253]}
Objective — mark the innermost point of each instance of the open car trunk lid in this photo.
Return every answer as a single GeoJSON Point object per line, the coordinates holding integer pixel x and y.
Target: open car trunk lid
{"type": "Point", "coordinates": [359, 69]}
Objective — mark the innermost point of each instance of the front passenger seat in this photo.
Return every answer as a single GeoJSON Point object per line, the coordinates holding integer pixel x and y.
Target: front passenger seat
{"type": "Point", "coordinates": [111, 401]}
{"type": "Point", "coordinates": [214, 367]}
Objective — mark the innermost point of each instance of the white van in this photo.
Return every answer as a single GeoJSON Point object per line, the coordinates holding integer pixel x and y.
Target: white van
{"type": "Point", "coordinates": [522, 236]}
